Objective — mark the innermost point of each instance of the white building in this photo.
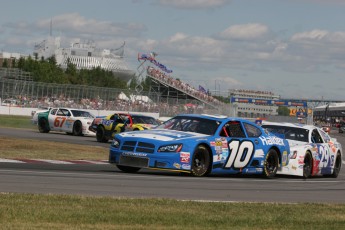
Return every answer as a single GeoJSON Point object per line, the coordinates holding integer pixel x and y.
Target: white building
{"type": "Point", "coordinates": [84, 55]}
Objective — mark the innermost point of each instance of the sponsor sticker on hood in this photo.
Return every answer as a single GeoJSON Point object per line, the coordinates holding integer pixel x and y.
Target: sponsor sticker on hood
{"type": "Point", "coordinates": [161, 135]}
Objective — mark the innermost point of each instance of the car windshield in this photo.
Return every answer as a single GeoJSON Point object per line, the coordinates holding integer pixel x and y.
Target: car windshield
{"type": "Point", "coordinates": [80, 113]}
{"type": "Point", "coordinates": [191, 124]}
{"type": "Point", "coordinates": [290, 133]}
{"type": "Point", "coordinates": [144, 120]}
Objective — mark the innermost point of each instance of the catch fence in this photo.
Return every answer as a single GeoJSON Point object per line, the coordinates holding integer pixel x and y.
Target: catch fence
{"type": "Point", "coordinates": [32, 94]}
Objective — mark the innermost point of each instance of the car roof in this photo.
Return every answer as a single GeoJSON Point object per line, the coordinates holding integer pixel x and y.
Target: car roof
{"type": "Point", "coordinates": [288, 124]}
{"type": "Point", "coordinates": [218, 117]}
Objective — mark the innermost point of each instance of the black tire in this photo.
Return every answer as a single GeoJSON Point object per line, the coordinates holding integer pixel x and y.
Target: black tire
{"type": "Point", "coordinates": [337, 166]}
{"type": "Point", "coordinates": [308, 165]}
{"type": "Point", "coordinates": [77, 128]}
{"type": "Point", "coordinates": [271, 164]}
{"type": "Point", "coordinates": [201, 163]}
{"type": "Point", "coordinates": [43, 125]}
{"type": "Point", "coordinates": [128, 169]}
{"type": "Point", "coordinates": [100, 134]}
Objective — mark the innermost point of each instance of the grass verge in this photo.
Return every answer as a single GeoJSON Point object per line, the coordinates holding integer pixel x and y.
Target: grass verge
{"type": "Point", "coordinates": [25, 211]}
{"type": "Point", "coordinates": [37, 149]}
{"type": "Point", "coordinates": [14, 121]}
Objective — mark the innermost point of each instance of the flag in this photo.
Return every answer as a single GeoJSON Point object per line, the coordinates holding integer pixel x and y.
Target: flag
{"type": "Point", "coordinates": [202, 89]}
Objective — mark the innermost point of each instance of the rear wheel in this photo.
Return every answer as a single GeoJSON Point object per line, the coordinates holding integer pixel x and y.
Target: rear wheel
{"type": "Point", "coordinates": [128, 169]}
{"type": "Point", "coordinates": [43, 125]}
{"type": "Point", "coordinates": [100, 134]}
{"type": "Point", "coordinates": [271, 164]}
{"type": "Point", "coordinates": [337, 166]}
{"type": "Point", "coordinates": [77, 129]}
{"type": "Point", "coordinates": [308, 164]}
{"type": "Point", "coordinates": [201, 163]}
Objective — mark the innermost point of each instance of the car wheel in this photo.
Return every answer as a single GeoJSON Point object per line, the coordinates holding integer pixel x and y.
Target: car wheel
{"type": "Point", "coordinates": [201, 163]}
{"type": "Point", "coordinates": [77, 129]}
{"type": "Point", "coordinates": [337, 166]}
{"type": "Point", "coordinates": [100, 134]}
{"type": "Point", "coordinates": [271, 164]}
{"type": "Point", "coordinates": [43, 125]}
{"type": "Point", "coordinates": [308, 164]}
{"type": "Point", "coordinates": [128, 169]}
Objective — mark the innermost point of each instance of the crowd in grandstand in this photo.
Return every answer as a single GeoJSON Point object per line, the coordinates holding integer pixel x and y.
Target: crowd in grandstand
{"type": "Point", "coordinates": [166, 107]}
{"type": "Point", "coordinates": [185, 87]}
{"type": "Point", "coordinates": [244, 91]}
{"type": "Point", "coordinates": [135, 104]}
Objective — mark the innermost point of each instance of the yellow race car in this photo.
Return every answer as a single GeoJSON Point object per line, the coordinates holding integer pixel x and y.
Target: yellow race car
{"type": "Point", "coordinates": [107, 127]}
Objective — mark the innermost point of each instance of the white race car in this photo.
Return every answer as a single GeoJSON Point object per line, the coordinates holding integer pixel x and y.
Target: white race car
{"type": "Point", "coordinates": [71, 121]}
{"type": "Point", "coordinates": [312, 151]}
{"type": "Point", "coordinates": [34, 114]}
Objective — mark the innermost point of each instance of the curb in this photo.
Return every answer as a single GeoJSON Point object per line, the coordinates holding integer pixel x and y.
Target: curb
{"type": "Point", "coordinates": [44, 161]}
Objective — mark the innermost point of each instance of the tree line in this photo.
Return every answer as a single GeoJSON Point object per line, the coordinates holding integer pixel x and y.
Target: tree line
{"type": "Point", "coordinates": [47, 71]}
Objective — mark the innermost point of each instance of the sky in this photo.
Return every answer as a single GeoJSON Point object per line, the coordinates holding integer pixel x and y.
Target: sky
{"type": "Point", "coordinates": [293, 48]}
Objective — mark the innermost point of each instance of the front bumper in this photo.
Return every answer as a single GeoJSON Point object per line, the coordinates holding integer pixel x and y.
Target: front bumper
{"type": "Point", "coordinates": [167, 161]}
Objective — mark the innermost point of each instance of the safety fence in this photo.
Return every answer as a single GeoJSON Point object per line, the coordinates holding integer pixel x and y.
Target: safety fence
{"type": "Point", "coordinates": [29, 94]}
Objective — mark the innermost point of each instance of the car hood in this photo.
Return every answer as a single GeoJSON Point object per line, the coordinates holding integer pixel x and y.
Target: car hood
{"type": "Point", "coordinates": [148, 126]}
{"type": "Point", "coordinates": [162, 135]}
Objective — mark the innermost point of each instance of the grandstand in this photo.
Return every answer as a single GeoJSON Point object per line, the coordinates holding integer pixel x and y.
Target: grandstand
{"type": "Point", "coordinates": [173, 91]}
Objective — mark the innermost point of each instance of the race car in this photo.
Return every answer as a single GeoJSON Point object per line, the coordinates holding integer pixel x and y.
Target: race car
{"type": "Point", "coordinates": [34, 114]}
{"type": "Point", "coordinates": [107, 127]}
{"type": "Point", "coordinates": [312, 151]}
{"type": "Point", "coordinates": [201, 145]}
{"type": "Point", "coordinates": [71, 121]}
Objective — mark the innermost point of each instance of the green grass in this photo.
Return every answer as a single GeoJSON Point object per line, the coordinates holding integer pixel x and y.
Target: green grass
{"type": "Point", "coordinates": [13, 121]}
{"type": "Point", "coordinates": [25, 211]}
{"type": "Point", "coordinates": [11, 148]}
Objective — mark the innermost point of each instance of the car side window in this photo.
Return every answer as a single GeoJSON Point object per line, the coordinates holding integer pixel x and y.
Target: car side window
{"type": "Point", "coordinates": [62, 112]}
{"type": "Point", "coordinates": [316, 137]}
{"type": "Point", "coordinates": [53, 111]}
{"type": "Point", "coordinates": [234, 129]}
{"type": "Point", "coordinates": [325, 136]}
{"type": "Point", "coordinates": [251, 130]}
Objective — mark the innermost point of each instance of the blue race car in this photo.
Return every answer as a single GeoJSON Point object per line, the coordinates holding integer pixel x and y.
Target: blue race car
{"type": "Point", "coordinates": [201, 145]}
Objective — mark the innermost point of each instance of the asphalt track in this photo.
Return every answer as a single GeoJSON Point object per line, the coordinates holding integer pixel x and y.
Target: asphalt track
{"type": "Point", "coordinates": [107, 180]}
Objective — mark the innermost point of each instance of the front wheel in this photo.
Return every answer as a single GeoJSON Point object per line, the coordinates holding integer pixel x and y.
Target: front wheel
{"type": "Point", "coordinates": [77, 129]}
{"type": "Point", "coordinates": [100, 134]}
{"type": "Point", "coordinates": [271, 164]}
{"type": "Point", "coordinates": [308, 164]}
{"type": "Point", "coordinates": [128, 169]}
{"type": "Point", "coordinates": [43, 125]}
{"type": "Point", "coordinates": [201, 163]}
{"type": "Point", "coordinates": [337, 166]}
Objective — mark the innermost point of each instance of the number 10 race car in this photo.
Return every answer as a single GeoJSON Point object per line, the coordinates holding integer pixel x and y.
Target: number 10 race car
{"type": "Point", "coordinates": [200, 145]}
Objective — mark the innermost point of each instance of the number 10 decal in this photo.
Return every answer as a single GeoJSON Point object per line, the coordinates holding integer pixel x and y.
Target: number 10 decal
{"type": "Point", "coordinates": [240, 154]}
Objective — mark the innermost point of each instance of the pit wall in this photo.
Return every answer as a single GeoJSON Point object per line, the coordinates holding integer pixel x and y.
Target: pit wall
{"type": "Point", "coordinates": [11, 110]}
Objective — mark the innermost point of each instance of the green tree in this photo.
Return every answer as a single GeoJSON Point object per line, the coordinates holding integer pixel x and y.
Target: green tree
{"type": "Point", "coordinates": [48, 71]}
{"type": "Point", "coordinates": [5, 63]}
{"type": "Point", "coordinates": [283, 111]}
{"type": "Point", "coordinates": [14, 63]}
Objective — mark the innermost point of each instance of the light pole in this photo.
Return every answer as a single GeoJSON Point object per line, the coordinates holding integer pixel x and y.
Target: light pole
{"type": "Point", "coordinates": [217, 82]}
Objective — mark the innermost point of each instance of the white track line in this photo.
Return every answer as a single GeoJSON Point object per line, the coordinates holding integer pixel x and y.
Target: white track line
{"type": "Point", "coordinates": [3, 160]}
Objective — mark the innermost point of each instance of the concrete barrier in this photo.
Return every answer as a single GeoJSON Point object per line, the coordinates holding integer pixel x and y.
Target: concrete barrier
{"type": "Point", "coordinates": [13, 110]}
